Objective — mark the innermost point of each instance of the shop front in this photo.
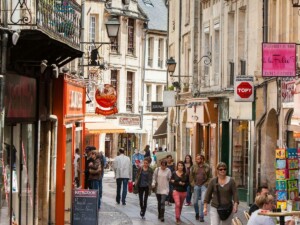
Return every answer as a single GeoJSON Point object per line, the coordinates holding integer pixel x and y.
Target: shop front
{"type": "Point", "coordinates": [19, 156]}
{"type": "Point", "coordinates": [69, 107]}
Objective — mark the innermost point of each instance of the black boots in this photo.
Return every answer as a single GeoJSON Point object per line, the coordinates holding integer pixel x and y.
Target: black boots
{"type": "Point", "coordinates": [162, 215]}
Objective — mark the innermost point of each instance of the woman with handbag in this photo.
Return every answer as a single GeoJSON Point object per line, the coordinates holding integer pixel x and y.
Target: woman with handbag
{"type": "Point", "coordinates": [142, 184]}
{"type": "Point", "coordinates": [179, 180]}
{"type": "Point", "coordinates": [160, 182]}
{"type": "Point", "coordinates": [222, 195]}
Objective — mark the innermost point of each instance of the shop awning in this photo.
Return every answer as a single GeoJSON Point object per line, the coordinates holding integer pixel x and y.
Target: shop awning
{"type": "Point", "coordinates": [103, 127]}
{"type": "Point", "coordinates": [161, 132]}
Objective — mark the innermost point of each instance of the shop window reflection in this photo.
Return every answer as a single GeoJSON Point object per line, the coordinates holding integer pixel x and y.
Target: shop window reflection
{"type": "Point", "coordinates": [240, 153]}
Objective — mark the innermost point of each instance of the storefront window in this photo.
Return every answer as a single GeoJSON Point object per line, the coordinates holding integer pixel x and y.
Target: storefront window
{"type": "Point", "coordinates": [127, 142]}
{"type": "Point", "coordinates": [240, 140]}
{"type": "Point", "coordinates": [77, 165]}
{"type": "Point", "coordinates": [17, 159]}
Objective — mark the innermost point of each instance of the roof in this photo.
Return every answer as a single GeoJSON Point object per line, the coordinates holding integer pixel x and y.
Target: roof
{"type": "Point", "coordinates": [157, 13]}
{"type": "Point", "coordinates": [161, 132]}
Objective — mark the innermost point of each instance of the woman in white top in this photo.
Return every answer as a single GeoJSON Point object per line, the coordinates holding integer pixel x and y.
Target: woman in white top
{"type": "Point", "coordinates": [161, 176]}
{"type": "Point", "coordinates": [264, 202]}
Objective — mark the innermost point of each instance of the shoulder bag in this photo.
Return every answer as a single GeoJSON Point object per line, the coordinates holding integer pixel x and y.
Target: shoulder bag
{"type": "Point", "coordinates": [154, 189]}
{"type": "Point", "coordinates": [224, 210]}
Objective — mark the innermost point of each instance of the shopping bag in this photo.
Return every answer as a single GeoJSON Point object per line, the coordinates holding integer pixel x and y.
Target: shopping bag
{"type": "Point", "coordinates": [130, 186]}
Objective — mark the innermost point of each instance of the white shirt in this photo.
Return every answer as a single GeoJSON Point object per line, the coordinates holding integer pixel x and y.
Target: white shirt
{"type": "Point", "coordinates": [122, 167]}
{"type": "Point", "coordinates": [77, 156]}
{"type": "Point", "coordinates": [162, 177]}
{"type": "Point", "coordinates": [256, 219]}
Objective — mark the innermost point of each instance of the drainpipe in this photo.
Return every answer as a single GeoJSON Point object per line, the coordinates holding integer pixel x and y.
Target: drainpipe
{"type": "Point", "coordinates": [143, 89]}
{"type": "Point", "coordinates": [179, 142]}
{"type": "Point", "coordinates": [52, 199]}
{"type": "Point", "coordinates": [263, 117]}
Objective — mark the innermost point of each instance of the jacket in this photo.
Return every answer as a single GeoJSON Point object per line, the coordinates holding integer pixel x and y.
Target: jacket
{"type": "Point", "coordinates": [138, 179]}
{"type": "Point", "coordinates": [194, 171]}
{"type": "Point", "coordinates": [122, 167]}
{"type": "Point", "coordinates": [95, 170]}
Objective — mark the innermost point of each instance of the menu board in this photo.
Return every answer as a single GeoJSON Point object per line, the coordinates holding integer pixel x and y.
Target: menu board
{"type": "Point", "coordinates": [85, 207]}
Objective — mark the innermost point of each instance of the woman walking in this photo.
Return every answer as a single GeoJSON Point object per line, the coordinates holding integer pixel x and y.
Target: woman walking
{"type": "Point", "coordinates": [143, 184]}
{"type": "Point", "coordinates": [179, 181]}
{"type": "Point", "coordinates": [161, 178]}
{"type": "Point", "coordinates": [221, 190]}
{"type": "Point", "coordinates": [188, 162]}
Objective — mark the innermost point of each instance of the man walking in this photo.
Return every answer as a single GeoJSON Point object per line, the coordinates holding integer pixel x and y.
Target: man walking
{"type": "Point", "coordinates": [123, 174]}
{"type": "Point", "coordinates": [200, 174]}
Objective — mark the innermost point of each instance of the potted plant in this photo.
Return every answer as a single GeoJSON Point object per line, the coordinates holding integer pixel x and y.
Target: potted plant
{"type": "Point", "coordinates": [171, 88]}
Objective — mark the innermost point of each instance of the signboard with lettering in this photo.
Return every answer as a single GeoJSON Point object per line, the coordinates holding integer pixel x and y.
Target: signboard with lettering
{"type": "Point", "coordinates": [278, 59]}
{"type": "Point", "coordinates": [74, 99]}
{"type": "Point", "coordinates": [129, 121]}
{"type": "Point", "coordinates": [244, 89]}
{"type": "Point", "coordinates": [20, 97]}
{"type": "Point", "coordinates": [85, 207]}
{"type": "Point", "coordinates": [157, 107]}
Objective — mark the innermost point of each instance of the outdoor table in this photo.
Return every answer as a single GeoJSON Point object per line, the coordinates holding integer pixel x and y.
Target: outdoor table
{"type": "Point", "coordinates": [281, 215]}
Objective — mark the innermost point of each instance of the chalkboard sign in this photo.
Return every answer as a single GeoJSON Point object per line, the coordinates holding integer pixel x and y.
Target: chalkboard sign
{"type": "Point", "coordinates": [85, 207]}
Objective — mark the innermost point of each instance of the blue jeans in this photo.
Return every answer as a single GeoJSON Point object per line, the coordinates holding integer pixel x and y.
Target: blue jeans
{"type": "Point", "coordinates": [199, 192]}
{"type": "Point", "coordinates": [95, 185]}
{"type": "Point", "coordinates": [121, 181]}
{"type": "Point", "coordinates": [188, 194]}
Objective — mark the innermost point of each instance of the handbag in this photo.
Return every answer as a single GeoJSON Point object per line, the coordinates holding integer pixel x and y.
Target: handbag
{"type": "Point", "coordinates": [154, 189]}
{"type": "Point", "coordinates": [224, 210]}
{"type": "Point", "coordinates": [130, 186]}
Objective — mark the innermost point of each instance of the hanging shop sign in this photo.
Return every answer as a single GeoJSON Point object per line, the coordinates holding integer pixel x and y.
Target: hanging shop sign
{"type": "Point", "coordinates": [244, 89]}
{"type": "Point", "coordinates": [287, 89]}
{"type": "Point", "coordinates": [278, 59]}
{"type": "Point", "coordinates": [106, 98]}
{"type": "Point", "coordinates": [157, 107]}
{"type": "Point", "coordinates": [20, 97]}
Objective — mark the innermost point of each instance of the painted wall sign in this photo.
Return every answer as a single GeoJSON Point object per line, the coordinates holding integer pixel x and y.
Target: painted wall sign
{"type": "Point", "coordinates": [244, 89]}
{"type": "Point", "coordinates": [107, 100]}
{"type": "Point", "coordinates": [129, 121]}
{"type": "Point", "coordinates": [278, 59]}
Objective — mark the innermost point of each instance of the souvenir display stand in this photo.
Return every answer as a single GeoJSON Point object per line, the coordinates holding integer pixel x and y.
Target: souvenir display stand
{"type": "Point", "coordinates": [287, 170]}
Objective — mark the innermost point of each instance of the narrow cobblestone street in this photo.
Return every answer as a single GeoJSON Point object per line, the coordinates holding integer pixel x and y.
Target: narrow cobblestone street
{"type": "Point", "coordinates": [114, 214]}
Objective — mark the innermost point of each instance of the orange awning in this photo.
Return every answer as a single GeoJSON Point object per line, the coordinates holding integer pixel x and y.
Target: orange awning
{"type": "Point", "coordinates": [103, 127]}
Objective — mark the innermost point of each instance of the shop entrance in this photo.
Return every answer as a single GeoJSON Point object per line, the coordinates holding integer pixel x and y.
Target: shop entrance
{"type": "Point", "coordinates": [68, 177]}
{"type": "Point", "coordinates": [17, 175]}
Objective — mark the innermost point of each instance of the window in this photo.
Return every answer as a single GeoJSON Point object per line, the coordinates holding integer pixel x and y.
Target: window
{"type": "Point", "coordinates": [159, 93]}
{"type": "Point", "coordinates": [150, 52]}
{"type": "Point", "coordinates": [216, 58]}
{"type": "Point", "coordinates": [129, 96]}
{"type": "Point", "coordinates": [160, 52]}
{"type": "Point", "coordinates": [92, 29]}
{"type": "Point", "coordinates": [243, 67]}
{"type": "Point", "coordinates": [114, 44]}
{"type": "Point", "coordinates": [187, 12]}
{"type": "Point", "coordinates": [231, 73]}
{"type": "Point", "coordinates": [148, 97]}
{"type": "Point", "coordinates": [114, 79]}
{"type": "Point", "coordinates": [130, 36]}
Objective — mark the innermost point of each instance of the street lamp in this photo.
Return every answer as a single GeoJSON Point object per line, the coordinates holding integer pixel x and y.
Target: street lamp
{"type": "Point", "coordinates": [171, 64]}
{"type": "Point", "coordinates": [295, 3]}
{"type": "Point", "coordinates": [112, 27]}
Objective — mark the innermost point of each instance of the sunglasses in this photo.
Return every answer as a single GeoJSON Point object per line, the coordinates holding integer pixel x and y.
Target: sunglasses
{"type": "Point", "coordinates": [222, 169]}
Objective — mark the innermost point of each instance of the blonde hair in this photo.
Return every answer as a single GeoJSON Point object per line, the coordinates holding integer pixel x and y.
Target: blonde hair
{"type": "Point", "coordinates": [260, 200]}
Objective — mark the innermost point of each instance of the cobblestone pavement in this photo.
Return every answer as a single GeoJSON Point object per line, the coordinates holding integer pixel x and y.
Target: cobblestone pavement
{"type": "Point", "coordinates": [114, 214]}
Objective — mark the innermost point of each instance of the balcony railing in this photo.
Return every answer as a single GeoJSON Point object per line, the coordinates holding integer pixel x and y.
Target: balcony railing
{"type": "Point", "coordinates": [60, 19]}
